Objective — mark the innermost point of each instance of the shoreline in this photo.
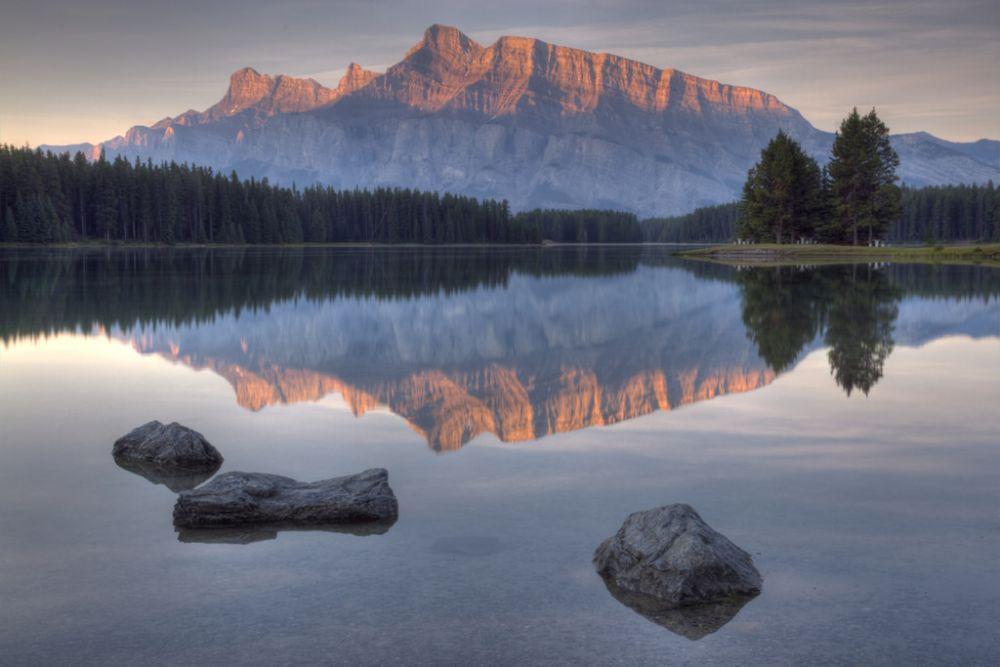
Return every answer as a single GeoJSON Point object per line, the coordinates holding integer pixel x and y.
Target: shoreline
{"type": "Point", "coordinates": [72, 245]}
{"type": "Point", "coordinates": [764, 254]}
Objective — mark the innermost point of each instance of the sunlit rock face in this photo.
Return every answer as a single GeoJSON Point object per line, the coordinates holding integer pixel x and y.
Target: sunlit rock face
{"type": "Point", "coordinates": [523, 361]}
{"type": "Point", "coordinates": [531, 122]}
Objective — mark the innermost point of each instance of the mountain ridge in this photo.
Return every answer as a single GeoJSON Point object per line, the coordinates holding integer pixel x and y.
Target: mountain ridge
{"type": "Point", "coordinates": [535, 123]}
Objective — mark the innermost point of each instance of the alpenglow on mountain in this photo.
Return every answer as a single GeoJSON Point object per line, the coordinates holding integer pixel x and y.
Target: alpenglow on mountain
{"type": "Point", "coordinates": [534, 123]}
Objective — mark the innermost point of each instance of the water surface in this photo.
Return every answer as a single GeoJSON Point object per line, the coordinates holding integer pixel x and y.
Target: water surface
{"type": "Point", "coordinates": [839, 423]}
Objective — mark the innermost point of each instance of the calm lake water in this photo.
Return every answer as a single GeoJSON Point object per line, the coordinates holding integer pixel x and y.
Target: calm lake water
{"type": "Point", "coordinates": [842, 424]}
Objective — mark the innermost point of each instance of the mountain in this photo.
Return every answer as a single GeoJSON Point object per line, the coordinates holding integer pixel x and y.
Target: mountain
{"type": "Point", "coordinates": [535, 123]}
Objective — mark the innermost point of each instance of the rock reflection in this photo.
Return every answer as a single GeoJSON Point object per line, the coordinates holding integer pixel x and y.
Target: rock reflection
{"type": "Point", "coordinates": [175, 479]}
{"type": "Point", "coordinates": [265, 532]}
{"type": "Point", "coordinates": [693, 622]}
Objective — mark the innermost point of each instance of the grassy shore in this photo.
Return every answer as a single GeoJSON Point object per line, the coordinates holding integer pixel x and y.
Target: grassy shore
{"type": "Point", "coordinates": [772, 253]}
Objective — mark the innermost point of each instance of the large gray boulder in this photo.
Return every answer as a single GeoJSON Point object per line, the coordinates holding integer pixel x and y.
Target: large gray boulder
{"type": "Point", "coordinates": [241, 499]}
{"type": "Point", "coordinates": [670, 556]}
{"type": "Point", "coordinates": [167, 446]}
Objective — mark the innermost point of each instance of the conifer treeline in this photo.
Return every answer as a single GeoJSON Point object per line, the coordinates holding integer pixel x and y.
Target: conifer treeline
{"type": "Point", "coordinates": [708, 224]}
{"type": "Point", "coordinates": [940, 213]}
{"type": "Point", "coordinates": [949, 213]}
{"type": "Point", "coordinates": [582, 226]}
{"type": "Point", "coordinates": [46, 198]}
{"type": "Point", "coordinates": [52, 198]}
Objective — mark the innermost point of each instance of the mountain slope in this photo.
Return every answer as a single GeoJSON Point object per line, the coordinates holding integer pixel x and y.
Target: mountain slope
{"type": "Point", "coordinates": [535, 123]}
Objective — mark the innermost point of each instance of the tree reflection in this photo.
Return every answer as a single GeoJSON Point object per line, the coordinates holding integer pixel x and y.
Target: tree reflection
{"type": "Point", "coordinates": [783, 310]}
{"type": "Point", "coordinates": [854, 309]}
{"type": "Point", "coordinates": [859, 330]}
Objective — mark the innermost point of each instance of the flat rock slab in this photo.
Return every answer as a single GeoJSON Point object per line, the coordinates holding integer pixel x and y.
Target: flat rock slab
{"type": "Point", "coordinates": [669, 554]}
{"type": "Point", "coordinates": [242, 499]}
{"type": "Point", "coordinates": [167, 446]}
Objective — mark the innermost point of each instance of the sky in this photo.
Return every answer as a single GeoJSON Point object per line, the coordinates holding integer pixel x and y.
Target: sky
{"type": "Point", "coordinates": [87, 70]}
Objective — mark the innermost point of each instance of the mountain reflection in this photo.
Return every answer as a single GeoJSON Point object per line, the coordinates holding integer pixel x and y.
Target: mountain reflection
{"type": "Point", "coordinates": [520, 343]}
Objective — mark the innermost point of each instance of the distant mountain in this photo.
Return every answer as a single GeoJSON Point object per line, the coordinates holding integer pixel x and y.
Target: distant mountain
{"type": "Point", "coordinates": [521, 119]}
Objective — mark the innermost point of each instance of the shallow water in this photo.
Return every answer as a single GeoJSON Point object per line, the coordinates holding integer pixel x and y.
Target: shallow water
{"type": "Point", "coordinates": [839, 423]}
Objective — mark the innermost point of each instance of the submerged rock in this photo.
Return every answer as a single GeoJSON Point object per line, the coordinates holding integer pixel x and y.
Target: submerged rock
{"type": "Point", "coordinates": [670, 555]}
{"type": "Point", "coordinates": [174, 478]}
{"type": "Point", "coordinates": [167, 446]}
{"type": "Point", "coordinates": [241, 498]}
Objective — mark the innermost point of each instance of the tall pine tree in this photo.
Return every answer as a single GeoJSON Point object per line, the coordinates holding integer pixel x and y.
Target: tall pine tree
{"type": "Point", "coordinates": [8, 232]}
{"type": "Point", "coordinates": [864, 197]}
{"type": "Point", "coordinates": [782, 196]}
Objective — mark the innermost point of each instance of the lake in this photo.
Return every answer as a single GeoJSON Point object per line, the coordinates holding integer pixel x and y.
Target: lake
{"type": "Point", "coordinates": [840, 423]}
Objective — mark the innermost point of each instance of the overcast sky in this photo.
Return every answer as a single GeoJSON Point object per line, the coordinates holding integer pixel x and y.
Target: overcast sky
{"type": "Point", "coordinates": [86, 70]}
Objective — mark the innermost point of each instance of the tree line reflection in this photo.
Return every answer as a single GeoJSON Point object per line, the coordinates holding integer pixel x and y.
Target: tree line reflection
{"type": "Point", "coordinates": [785, 310]}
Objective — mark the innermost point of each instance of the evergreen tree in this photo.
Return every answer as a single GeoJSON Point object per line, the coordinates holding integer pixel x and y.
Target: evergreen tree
{"type": "Point", "coordinates": [865, 198]}
{"type": "Point", "coordinates": [28, 224]}
{"type": "Point", "coordinates": [8, 233]}
{"type": "Point", "coordinates": [930, 214]}
{"type": "Point", "coordinates": [782, 196]}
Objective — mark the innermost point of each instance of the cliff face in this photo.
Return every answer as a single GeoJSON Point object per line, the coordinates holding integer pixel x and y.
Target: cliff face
{"type": "Point", "coordinates": [521, 119]}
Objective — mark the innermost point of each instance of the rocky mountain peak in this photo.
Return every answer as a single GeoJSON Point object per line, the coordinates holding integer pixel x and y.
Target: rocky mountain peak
{"type": "Point", "coordinates": [355, 78]}
{"type": "Point", "coordinates": [448, 40]}
{"type": "Point", "coordinates": [442, 49]}
{"type": "Point", "coordinates": [246, 86]}
{"type": "Point", "coordinates": [269, 95]}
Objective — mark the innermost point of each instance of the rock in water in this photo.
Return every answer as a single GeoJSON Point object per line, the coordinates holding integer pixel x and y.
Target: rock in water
{"type": "Point", "coordinates": [242, 498]}
{"type": "Point", "coordinates": [670, 554]}
{"type": "Point", "coordinates": [172, 445]}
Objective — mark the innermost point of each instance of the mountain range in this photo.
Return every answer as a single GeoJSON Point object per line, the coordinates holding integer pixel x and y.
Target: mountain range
{"type": "Point", "coordinates": [537, 124]}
